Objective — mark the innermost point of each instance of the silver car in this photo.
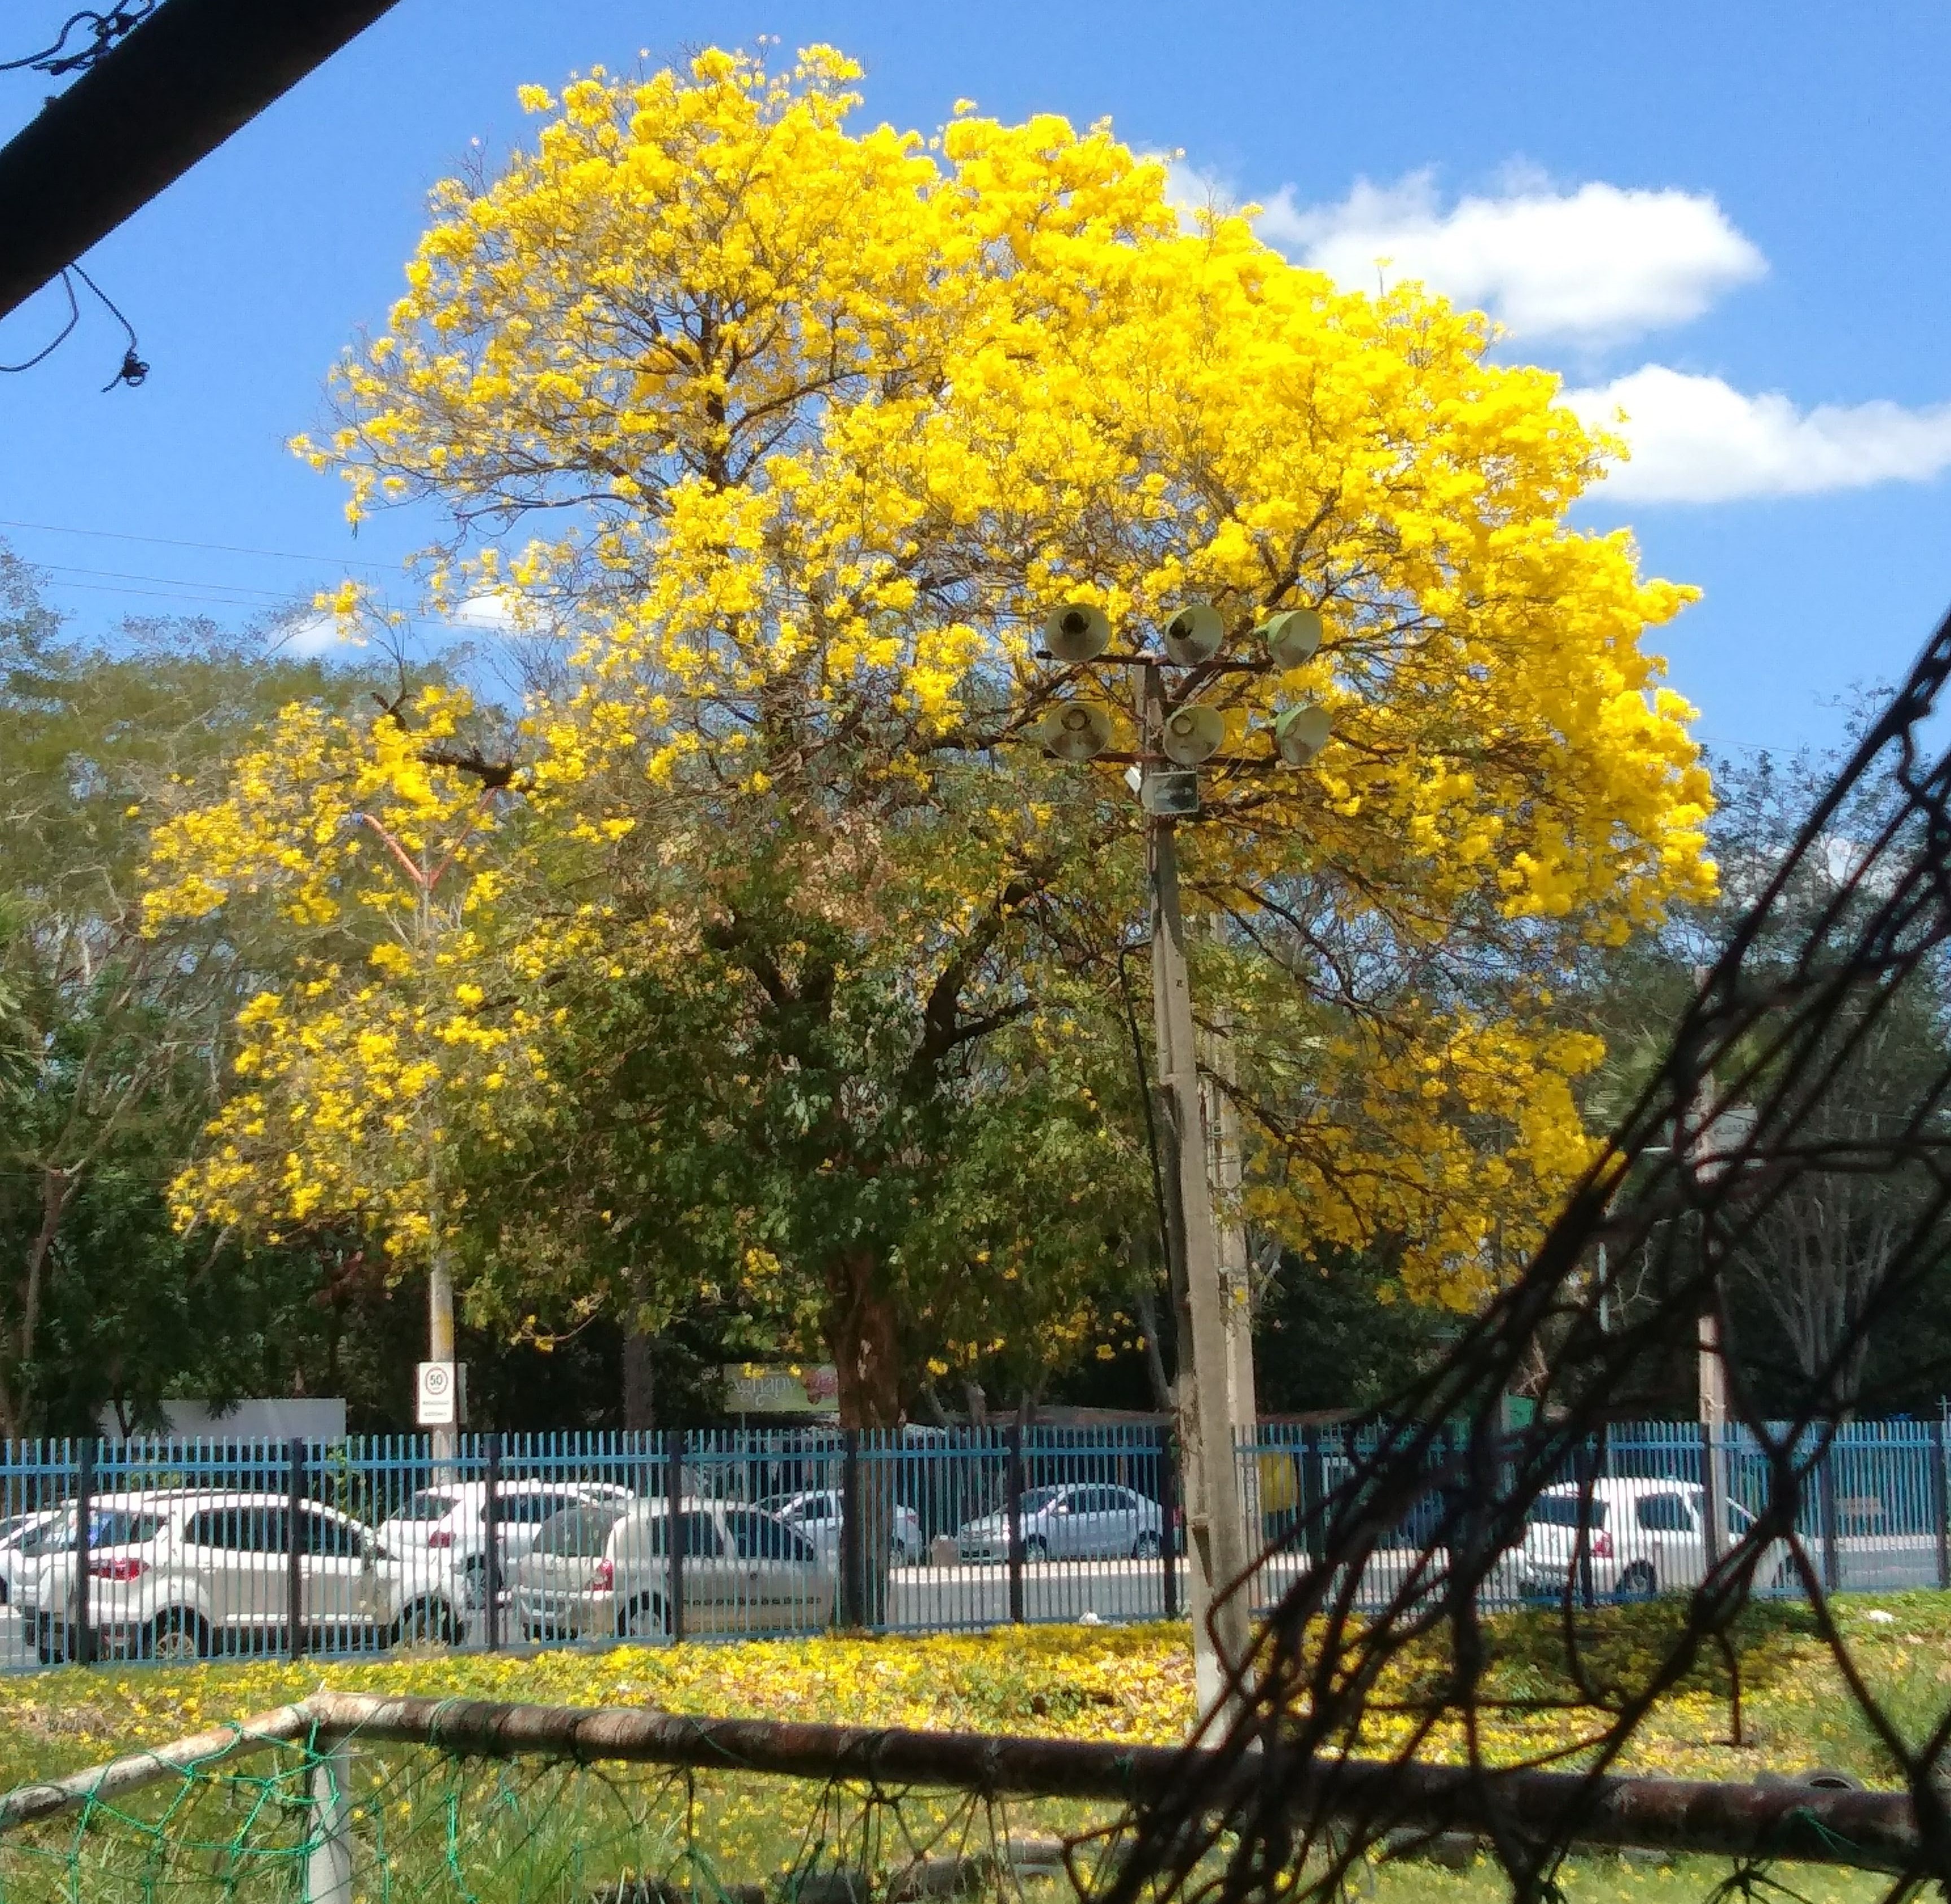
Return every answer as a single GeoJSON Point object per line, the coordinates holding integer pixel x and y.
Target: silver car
{"type": "Point", "coordinates": [817, 1514]}
{"type": "Point", "coordinates": [745, 1571]}
{"type": "Point", "coordinates": [1073, 1521]}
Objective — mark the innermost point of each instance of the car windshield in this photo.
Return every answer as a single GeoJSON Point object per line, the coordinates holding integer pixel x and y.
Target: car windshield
{"type": "Point", "coordinates": [1037, 1499]}
{"type": "Point", "coordinates": [122, 1530]}
{"type": "Point", "coordinates": [578, 1533]}
{"type": "Point", "coordinates": [107, 1529]}
{"type": "Point", "coordinates": [1562, 1510]}
{"type": "Point", "coordinates": [427, 1507]}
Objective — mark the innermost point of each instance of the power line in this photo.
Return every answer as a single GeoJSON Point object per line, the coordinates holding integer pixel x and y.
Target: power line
{"type": "Point", "coordinates": [168, 581]}
{"type": "Point", "coordinates": [217, 548]}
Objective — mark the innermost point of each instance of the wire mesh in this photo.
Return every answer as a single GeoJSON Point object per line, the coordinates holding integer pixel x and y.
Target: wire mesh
{"type": "Point", "coordinates": [1755, 1132]}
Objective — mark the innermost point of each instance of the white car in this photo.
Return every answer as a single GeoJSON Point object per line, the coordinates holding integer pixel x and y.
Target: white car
{"type": "Point", "coordinates": [24, 1540]}
{"type": "Point", "coordinates": [181, 1573]}
{"type": "Point", "coordinates": [442, 1531]}
{"type": "Point", "coordinates": [1075, 1521]}
{"type": "Point", "coordinates": [1642, 1537]}
{"type": "Point", "coordinates": [817, 1515]}
{"type": "Point", "coordinates": [745, 1571]}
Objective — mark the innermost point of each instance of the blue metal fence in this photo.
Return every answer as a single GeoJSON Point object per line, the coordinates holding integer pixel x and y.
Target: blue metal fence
{"type": "Point", "coordinates": [173, 1550]}
{"type": "Point", "coordinates": [1665, 1499]}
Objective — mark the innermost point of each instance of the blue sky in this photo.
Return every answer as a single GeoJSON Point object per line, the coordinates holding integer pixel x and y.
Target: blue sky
{"type": "Point", "coordinates": [1732, 217]}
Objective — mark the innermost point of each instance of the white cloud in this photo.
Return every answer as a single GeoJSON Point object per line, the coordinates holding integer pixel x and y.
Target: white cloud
{"type": "Point", "coordinates": [312, 633]}
{"type": "Point", "coordinates": [1698, 439]}
{"type": "Point", "coordinates": [1595, 265]}
{"type": "Point", "coordinates": [492, 612]}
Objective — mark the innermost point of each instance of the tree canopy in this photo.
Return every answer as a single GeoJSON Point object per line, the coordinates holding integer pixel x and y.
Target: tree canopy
{"type": "Point", "coordinates": [793, 432]}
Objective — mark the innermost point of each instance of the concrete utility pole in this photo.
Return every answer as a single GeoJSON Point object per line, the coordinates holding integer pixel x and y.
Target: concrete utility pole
{"type": "Point", "coordinates": [1225, 1171]}
{"type": "Point", "coordinates": [1201, 1134]}
{"type": "Point", "coordinates": [1215, 1544]}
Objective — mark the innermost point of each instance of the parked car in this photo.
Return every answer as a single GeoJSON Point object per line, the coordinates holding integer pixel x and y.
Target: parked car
{"type": "Point", "coordinates": [179, 1574]}
{"type": "Point", "coordinates": [25, 1538]}
{"type": "Point", "coordinates": [444, 1529]}
{"type": "Point", "coordinates": [816, 1515]}
{"type": "Point", "coordinates": [1643, 1537]}
{"type": "Point", "coordinates": [1074, 1521]}
{"type": "Point", "coordinates": [745, 1571]}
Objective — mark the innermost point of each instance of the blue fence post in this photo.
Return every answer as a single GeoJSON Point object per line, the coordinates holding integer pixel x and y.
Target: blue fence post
{"type": "Point", "coordinates": [1940, 1509]}
{"type": "Point", "coordinates": [1584, 1468]}
{"type": "Point", "coordinates": [1168, 1517]}
{"type": "Point", "coordinates": [674, 1530]}
{"type": "Point", "coordinates": [81, 1646]}
{"type": "Point", "coordinates": [1313, 1497]}
{"type": "Point", "coordinates": [491, 1560]}
{"type": "Point", "coordinates": [852, 1533]}
{"type": "Point", "coordinates": [1014, 1486]}
{"type": "Point", "coordinates": [1825, 1495]}
{"type": "Point", "coordinates": [297, 1528]}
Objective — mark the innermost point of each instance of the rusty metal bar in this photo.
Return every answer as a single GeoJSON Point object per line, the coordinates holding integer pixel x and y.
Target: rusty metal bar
{"type": "Point", "coordinates": [1871, 1831]}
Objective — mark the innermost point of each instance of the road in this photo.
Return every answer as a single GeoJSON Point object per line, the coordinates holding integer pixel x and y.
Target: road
{"type": "Point", "coordinates": [965, 1598]}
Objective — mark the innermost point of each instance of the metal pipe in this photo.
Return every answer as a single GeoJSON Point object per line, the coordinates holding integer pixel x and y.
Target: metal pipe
{"type": "Point", "coordinates": [1871, 1830]}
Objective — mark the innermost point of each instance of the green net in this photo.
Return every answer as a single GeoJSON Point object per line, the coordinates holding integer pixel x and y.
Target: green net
{"type": "Point", "coordinates": [343, 1818]}
{"type": "Point", "coordinates": [336, 1822]}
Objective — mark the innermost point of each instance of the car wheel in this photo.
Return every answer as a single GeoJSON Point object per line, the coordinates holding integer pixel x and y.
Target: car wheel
{"type": "Point", "coordinates": [176, 1638]}
{"type": "Point", "coordinates": [1146, 1547]}
{"type": "Point", "coordinates": [646, 1618]}
{"type": "Point", "coordinates": [425, 1621]}
{"type": "Point", "coordinates": [1036, 1548]}
{"type": "Point", "coordinates": [1637, 1582]}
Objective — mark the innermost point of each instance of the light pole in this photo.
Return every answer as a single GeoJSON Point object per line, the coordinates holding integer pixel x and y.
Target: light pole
{"type": "Point", "coordinates": [422, 879]}
{"type": "Point", "coordinates": [1175, 735]}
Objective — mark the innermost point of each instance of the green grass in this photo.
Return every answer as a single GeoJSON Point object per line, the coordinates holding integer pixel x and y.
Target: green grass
{"type": "Point", "coordinates": [513, 1835]}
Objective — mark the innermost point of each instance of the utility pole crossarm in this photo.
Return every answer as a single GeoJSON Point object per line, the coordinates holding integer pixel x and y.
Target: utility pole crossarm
{"type": "Point", "coordinates": [172, 92]}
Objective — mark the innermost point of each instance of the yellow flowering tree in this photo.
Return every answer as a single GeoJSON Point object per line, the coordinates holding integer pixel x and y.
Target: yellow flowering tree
{"type": "Point", "coordinates": [807, 427]}
{"type": "Point", "coordinates": [374, 839]}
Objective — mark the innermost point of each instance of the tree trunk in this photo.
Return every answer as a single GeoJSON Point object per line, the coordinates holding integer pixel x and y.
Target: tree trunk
{"type": "Point", "coordinates": [861, 1336]}
{"type": "Point", "coordinates": [640, 1414]}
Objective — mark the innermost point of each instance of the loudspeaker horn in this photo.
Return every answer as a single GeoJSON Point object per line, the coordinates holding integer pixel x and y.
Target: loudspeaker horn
{"type": "Point", "coordinates": [1194, 634]}
{"type": "Point", "coordinates": [1301, 733]}
{"type": "Point", "coordinates": [1074, 730]}
{"type": "Point", "coordinates": [1077, 632]}
{"type": "Point", "coordinates": [1292, 637]}
{"type": "Point", "coordinates": [1193, 734]}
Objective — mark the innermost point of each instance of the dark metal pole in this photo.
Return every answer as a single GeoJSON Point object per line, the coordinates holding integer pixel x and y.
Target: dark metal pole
{"type": "Point", "coordinates": [81, 1644]}
{"type": "Point", "coordinates": [1585, 1467]}
{"type": "Point", "coordinates": [169, 95]}
{"type": "Point", "coordinates": [1713, 1508]}
{"type": "Point", "coordinates": [853, 1532]}
{"type": "Point", "coordinates": [1167, 1514]}
{"type": "Point", "coordinates": [1313, 1497]}
{"type": "Point", "coordinates": [674, 1528]}
{"type": "Point", "coordinates": [295, 1544]}
{"type": "Point", "coordinates": [1825, 1490]}
{"type": "Point", "coordinates": [1940, 1508]}
{"type": "Point", "coordinates": [491, 1560]}
{"type": "Point", "coordinates": [1013, 1510]}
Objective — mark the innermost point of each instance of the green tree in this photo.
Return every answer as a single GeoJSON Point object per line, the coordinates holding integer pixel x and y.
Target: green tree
{"type": "Point", "coordinates": [116, 1042]}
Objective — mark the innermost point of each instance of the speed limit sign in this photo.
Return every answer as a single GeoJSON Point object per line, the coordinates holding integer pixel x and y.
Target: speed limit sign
{"type": "Point", "coordinates": [442, 1398]}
